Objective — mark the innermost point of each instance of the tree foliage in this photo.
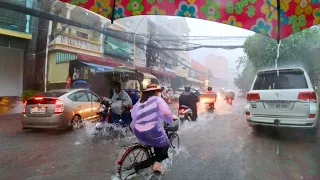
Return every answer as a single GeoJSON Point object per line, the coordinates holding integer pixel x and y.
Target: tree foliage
{"type": "Point", "coordinates": [295, 51]}
{"type": "Point", "coordinates": [245, 77]}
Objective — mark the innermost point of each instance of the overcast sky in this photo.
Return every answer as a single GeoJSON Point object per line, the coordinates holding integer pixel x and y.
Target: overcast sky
{"type": "Point", "coordinates": [207, 28]}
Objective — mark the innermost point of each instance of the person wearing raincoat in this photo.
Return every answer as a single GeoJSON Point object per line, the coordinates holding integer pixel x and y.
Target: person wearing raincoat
{"type": "Point", "coordinates": [120, 102]}
{"type": "Point", "coordinates": [147, 116]}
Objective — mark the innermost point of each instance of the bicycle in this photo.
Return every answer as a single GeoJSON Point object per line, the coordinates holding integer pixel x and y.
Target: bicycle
{"type": "Point", "coordinates": [147, 152]}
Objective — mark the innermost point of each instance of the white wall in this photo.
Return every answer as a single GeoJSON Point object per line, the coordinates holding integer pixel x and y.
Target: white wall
{"type": "Point", "coordinates": [11, 71]}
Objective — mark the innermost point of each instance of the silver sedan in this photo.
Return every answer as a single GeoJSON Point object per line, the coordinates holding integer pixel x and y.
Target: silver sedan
{"type": "Point", "coordinates": [60, 109]}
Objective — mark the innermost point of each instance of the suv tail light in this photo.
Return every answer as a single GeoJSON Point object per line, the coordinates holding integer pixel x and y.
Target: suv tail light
{"type": "Point", "coordinates": [312, 115]}
{"type": "Point", "coordinates": [253, 97]}
{"type": "Point", "coordinates": [58, 107]}
{"type": "Point", "coordinates": [307, 96]}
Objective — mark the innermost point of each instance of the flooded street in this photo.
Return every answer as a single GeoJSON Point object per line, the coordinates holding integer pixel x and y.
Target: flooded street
{"type": "Point", "coordinates": [217, 146]}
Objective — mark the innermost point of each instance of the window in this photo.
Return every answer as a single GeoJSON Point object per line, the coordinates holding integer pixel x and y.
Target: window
{"type": "Point", "coordinates": [82, 35]}
{"type": "Point", "coordinates": [79, 96]}
{"type": "Point", "coordinates": [92, 97]}
{"type": "Point", "coordinates": [51, 94]}
{"type": "Point", "coordinates": [287, 79]}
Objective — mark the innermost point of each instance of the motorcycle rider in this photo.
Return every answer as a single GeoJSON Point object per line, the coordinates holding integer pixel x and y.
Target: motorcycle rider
{"type": "Point", "coordinates": [119, 101]}
{"type": "Point", "coordinates": [187, 98]}
{"type": "Point", "coordinates": [229, 94]}
{"type": "Point", "coordinates": [209, 91]}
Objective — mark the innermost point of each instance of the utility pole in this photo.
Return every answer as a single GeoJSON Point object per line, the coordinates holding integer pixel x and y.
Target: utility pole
{"type": "Point", "coordinates": [151, 54]}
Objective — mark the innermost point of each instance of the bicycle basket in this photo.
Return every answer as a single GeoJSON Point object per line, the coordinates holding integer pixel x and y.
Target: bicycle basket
{"type": "Point", "coordinates": [173, 127]}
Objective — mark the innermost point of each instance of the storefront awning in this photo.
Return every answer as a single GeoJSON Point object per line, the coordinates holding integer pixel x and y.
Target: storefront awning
{"type": "Point", "coordinates": [142, 69]}
{"type": "Point", "coordinates": [62, 57]}
{"type": "Point", "coordinates": [99, 60]}
{"type": "Point", "coordinates": [194, 80]}
{"type": "Point", "coordinates": [161, 73]}
{"type": "Point", "coordinates": [169, 70]}
{"type": "Point", "coordinates": [97, 67]}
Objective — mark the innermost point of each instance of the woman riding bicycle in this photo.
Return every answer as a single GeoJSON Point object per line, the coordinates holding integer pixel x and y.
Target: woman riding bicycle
{"type": "Point", "coordinates": [147, 115]}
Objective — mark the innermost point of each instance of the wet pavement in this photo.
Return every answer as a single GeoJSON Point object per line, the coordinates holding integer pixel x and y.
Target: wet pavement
{"type": "Point", "coordinates": [217, 146]}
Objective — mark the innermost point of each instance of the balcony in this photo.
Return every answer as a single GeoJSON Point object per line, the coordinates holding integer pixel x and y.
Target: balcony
{"type": "Point", "coordinates": [75, 44]}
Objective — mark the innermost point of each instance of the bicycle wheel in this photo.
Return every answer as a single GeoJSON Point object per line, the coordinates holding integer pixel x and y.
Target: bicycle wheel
{"type": "Point", "coordinates": [131, 161]}
{"type": "Point", "coordinates": [174, 140]}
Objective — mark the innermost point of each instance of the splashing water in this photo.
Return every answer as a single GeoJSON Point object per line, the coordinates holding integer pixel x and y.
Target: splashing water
{"type": "Point", "coordinates": [148, 174]}
{"type": "Point", "coordinates": [108, 131]}
{"type": "Point", "coordinates": [186, 127]}
{"type": "Point", "coordinates": [199, 124]}
{"type": "Point", "coordinates": [278, 54]}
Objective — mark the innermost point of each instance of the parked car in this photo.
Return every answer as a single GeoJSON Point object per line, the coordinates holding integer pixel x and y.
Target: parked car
{"type": "Point", "coordinates": [60, 109]}
{"type": "Point", "coordinates": [283, 97]}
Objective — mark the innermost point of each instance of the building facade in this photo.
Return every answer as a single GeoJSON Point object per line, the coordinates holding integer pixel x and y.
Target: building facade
{"type": "Point", "coordinates": [78, 53]}
{"type": "Point", "coordinates": [218, 67]}
{"type": "Point", "coordinates": [18, 36]}
{"type": "Point", "coordinates": [198, 75]}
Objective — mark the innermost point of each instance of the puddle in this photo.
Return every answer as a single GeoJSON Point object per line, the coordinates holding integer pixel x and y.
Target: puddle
{"type": "Point", "coordinates": [148, 174]}
{"type": "Point", "coordinates": [107, 131]}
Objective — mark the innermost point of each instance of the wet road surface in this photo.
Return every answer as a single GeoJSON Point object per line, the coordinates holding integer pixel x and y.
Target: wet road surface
{"type": "Point", "coordinates": [217, 146]}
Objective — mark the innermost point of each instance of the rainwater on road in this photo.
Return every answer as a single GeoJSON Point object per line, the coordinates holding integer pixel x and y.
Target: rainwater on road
{"type": "Point", "coordinates": [217, 146]}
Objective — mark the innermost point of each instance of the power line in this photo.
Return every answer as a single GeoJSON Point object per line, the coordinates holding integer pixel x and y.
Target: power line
{"type": "Point", "coordinates": [108, 32]}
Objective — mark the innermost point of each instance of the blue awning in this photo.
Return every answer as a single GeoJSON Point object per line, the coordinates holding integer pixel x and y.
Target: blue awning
{"type": "Point", "coordinates": [98, 68]}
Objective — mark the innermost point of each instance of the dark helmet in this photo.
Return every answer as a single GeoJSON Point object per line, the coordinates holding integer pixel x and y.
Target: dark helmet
{"type": "Point", "coordinates": [209, 88]}
{"type": "Point", "coordinates": [187, 88]}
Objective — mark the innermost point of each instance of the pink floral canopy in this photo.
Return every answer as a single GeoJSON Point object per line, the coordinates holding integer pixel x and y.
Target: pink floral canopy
{"type": "Point", "coordinates": [274, 18]}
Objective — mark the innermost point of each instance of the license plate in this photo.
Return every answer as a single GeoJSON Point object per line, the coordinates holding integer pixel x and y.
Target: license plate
{"type": "Point", "coordinates": [278, 105]}
{"type": "Point", "coordinates": [38, 110]}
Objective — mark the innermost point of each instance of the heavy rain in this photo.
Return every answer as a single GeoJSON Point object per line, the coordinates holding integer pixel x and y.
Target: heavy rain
{"type": "Point", "coordinates": [170, 90]}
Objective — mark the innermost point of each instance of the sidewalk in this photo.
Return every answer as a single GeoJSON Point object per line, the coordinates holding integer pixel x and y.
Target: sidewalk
{"type": "Point", "coordinates": [14, 114]}
{"type": "Point", "coordinates": [10, 117]}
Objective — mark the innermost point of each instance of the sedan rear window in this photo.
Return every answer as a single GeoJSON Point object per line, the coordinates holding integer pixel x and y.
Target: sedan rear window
{"type": "Point", "coordinates": [285, 80]}
{"type": "Point", "coordinates": [54, 94]}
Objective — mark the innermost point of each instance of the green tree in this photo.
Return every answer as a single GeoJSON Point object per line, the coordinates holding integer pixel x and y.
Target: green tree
{"type": "Point", "coordinates": [244, 78]}
{"type": "Point", "coordinates": [295, 51]}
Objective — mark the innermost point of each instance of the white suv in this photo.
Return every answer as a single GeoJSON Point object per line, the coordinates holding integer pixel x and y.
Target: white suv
{"type": "Point", "coordinates": [283, 97]}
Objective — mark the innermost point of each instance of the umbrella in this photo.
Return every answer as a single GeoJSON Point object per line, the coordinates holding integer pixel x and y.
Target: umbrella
{"type": "Point", "coordinates": [260, 16]}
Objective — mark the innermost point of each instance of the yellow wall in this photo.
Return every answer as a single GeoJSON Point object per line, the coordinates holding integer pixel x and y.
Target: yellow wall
{"type": "Point", "coordinates": [15, 33]}
{"type": "Point", "coordinates": [57, 73]}
{"type": "Point", "coordinates": [4, 105]}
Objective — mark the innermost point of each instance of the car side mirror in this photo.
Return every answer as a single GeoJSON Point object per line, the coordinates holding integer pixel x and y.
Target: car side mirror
{"type": "Point", "coordinates": [315, 88]}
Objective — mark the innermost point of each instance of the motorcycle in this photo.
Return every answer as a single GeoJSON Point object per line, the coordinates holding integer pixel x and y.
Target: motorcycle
{"type": "Point", "coordinates": [229, 101]}
{"type": "Point", "coordinates": [210, 107]}
{"type": "Point", "coordinates": [209, 101]}
{"type": "Point", "coordinates": [185, 113]}
{"type": "Point", "coordinates": [107, 117]}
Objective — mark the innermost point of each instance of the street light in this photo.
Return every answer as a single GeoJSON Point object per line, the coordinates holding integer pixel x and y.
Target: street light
{"type": "Point", "coordinates": [134, 42]}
